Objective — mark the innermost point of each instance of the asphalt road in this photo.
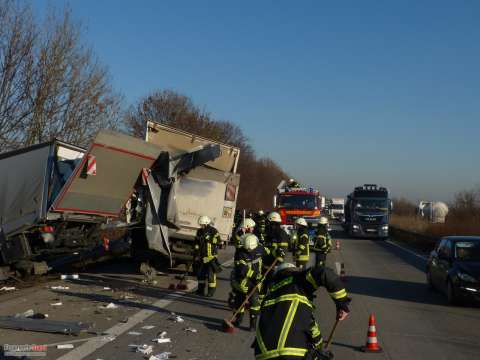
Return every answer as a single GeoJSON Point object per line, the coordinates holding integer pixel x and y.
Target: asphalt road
{"type": "Point", "coordinates": [413, 322]}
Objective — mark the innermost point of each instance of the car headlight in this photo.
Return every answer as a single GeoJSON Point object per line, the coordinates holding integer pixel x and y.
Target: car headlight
{"type": "Point", "coordinates": [385, 227]}
{"type": "Point", "coordinates": [356, 227]}
{"type": "Point", "coordinates": [466, 277]}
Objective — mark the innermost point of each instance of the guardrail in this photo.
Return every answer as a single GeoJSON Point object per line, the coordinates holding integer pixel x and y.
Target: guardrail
{"type": "Point", "coordinates": [421, 242]}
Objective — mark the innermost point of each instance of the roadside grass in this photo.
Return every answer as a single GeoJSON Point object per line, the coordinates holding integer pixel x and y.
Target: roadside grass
{"type": "Point", "coordinates": [453, 226]}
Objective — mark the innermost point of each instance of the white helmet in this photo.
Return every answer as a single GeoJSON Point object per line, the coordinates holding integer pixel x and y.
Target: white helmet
{"type": "Point", "coordinates": [323, 221]}
{"type": "Point", "coordinates": [260, 212]}
{"type": "Point", "coordinates": [291, 180]}
{"type": "Point", "coordinates": [204, 220]}
{"type": "Point", "coordinates": [274, 217]}
{"type": "Point", "coordinates": [301, 222]}
{"type": "Point", "coordinates": [283, 266]}
{"type": "Point", "coordinates": [249, 241]}
{"type": "Point", "coordinates": [248, 224]}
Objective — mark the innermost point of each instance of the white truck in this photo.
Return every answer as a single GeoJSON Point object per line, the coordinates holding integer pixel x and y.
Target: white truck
{"type": "Point", "coordinates": [337, 208]}
{"type": "Point", "coordinates": [177, 200]}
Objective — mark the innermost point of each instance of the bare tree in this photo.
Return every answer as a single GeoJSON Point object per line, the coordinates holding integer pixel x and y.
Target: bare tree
{"type": "Point", "coordinates": [52, 87]}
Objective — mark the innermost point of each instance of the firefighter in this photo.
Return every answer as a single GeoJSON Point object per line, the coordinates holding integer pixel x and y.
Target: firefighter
{"type": "Point", "coordinates": [261, 226]}
{"type": "Point", "coordinates": [205, 256]}
{"type": "Point", "coordinates": [276, 239]}
{"type": "Point", "coordinates": [247, 226]}
{"type": "Point", "coordinates": [302, 243]}
{"type": "Point", "coordinates": [287, 328]}
{"type": "Point", "coordinates": [293, 184]}
{"type": "Point", "coordinates": [247, 274]}
{"type": "Point", "coordinates": [322, 242]}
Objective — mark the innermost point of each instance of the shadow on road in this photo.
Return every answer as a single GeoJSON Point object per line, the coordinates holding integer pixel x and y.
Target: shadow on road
{"type": "Point", "coordinates": [394, 289]}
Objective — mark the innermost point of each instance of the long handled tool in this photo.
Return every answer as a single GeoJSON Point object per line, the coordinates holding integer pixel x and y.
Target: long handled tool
{"type": "Point", "coordinates": [228, 324]}
{"type": "Point", "coordinates": [181, 285]}
{"type": "Point", "coordinates": [330, 338]}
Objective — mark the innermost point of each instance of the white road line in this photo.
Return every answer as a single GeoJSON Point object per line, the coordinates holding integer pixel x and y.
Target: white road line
{"type": "Point", "coordinates": [407, 250]}
{"type": "Point", "coordinates": [96, 343]}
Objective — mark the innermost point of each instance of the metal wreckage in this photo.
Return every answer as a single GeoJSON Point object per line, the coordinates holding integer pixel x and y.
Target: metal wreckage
{"type": "Point", "coordinates": [57, 199]}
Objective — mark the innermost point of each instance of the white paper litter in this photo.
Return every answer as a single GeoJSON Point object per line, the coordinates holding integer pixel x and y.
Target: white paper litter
{"type": "Point", "coordinates": [8, 288]}
{"type": "Point", "coordinates": [192, 330]}
{"type": "Point", "coordinates": [161, 356]}
{"type": "Point", "coordinates": [148, 327]}
{"type": "Point", "coordinates": [60, 288]}
{"type": "Point", "coordinates": [134, 333]}
{"type": "Point", "coordinates": [56, 304]}
{"type": "Point", "coordinates": [162, 334]}
{"type": "Point", "coordinates": [145, 349]}
{"type": "Point", "coordinates": [177, 318]}
{"type": "Point", "coordinates": [110, 306]}
{"type": "Point", "coordinates": [162, 340]}
{"type": "Point", "coordinates": [65, 346]}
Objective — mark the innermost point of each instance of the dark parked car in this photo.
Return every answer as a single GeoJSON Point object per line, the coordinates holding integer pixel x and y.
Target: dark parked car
{"type": "Point", "coordinates": [454, 268]}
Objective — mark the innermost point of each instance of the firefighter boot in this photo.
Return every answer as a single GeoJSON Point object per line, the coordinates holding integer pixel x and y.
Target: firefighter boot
{"type": "Point", "coordinates": [211, 291]}
{"type": "Point", "coordinates": [200, 289]}
{"type": "Point", "coordinates": [253, 322]}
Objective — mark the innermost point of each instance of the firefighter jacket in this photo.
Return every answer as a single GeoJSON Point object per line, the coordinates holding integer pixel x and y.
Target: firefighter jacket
{"type": "Point", "coordinates": [247, 270]}
{"type": "Point", "coordinates": [322, 242]}
{"type": "Point", "coordinates": [302, 245]}
{"type": "Point", "coordinates": [238, 238]}
{"type": "Point", "coordinates": [276, 238]}
{"type": "Point", "coordinates": [206, 243]}
{"type": "Point", "coordinates": [286, 318]}
{"type": "Point", "coordinates": [261, 227]}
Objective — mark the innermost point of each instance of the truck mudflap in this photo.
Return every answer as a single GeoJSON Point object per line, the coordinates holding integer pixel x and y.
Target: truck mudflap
{"type": "Point", "coordinates": [104, 180]}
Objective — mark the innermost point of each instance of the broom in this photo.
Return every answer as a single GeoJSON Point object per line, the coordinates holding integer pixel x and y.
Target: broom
{"type": "Point", "coordinates": [228, 324]}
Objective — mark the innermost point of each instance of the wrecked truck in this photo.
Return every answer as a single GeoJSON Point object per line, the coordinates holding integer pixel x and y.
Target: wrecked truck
{"type": "Point", "coordinates": [54, 197]}
{"type": "Point", "coordinates": [171, 198]}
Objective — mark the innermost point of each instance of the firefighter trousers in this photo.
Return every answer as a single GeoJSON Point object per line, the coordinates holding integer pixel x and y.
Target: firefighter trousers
{"type": "Point", "coordinates": [206, 274]}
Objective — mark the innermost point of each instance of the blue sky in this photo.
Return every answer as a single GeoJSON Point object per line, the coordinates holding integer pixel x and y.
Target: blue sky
{"type": "Point", "coordinates": [339, 94]}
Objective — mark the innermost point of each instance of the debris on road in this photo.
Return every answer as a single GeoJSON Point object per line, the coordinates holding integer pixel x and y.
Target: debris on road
{"type": "Point", "coordinates": [162, 356]}
{"type": "Point", "coordinates": [125, 320]}
{"type": "Point", "coordinates": [106, 288]}
{"type": "Point", "coordinates": [42, 325]}
{"type": "Point", "coordinates": [69, 277]}
{"type": "Point", "coordinates": [60, 288]}
{"type": "Point", "coordinates": [162, 334]}
{"type": "Point", "coordinates": [148, 327]}
{"type": "Point", "coordinates": [65, 346]}
{"type": "Point", "coordinates": [145, 349]}
{"type": "Point", "coordinates": [162, 340]}
{"type": "Point", "coordinates": [176, 318]}
{"type": "Point", "coordinates": [134, 333]}
{"type": "Point", "coordinates": [8, 288]}
{"type": "Point", "coordinates": [110, 306]}
{"type": "Point", "coordinates": [190, 329]}
{"type": "Point", "coordinates": [56, 304]}
{"type": "Point", "coordinates": [25, 314]}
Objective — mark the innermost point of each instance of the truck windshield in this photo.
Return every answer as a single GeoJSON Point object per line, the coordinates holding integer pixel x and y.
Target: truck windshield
{"type": "Point", "coordinates": [371, 204]}
{"type": "Point", "coordinates": [309, 202]}
{"type": "Point", "coordinates": [336, 207]}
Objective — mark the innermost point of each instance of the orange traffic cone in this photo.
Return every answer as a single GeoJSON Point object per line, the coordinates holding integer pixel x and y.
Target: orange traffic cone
{"type": "Point", "coordinates": [372, 342]}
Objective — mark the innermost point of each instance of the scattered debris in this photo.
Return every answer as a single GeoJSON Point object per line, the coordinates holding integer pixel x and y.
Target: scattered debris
{"type": "Point", "coordinates": [110, 306]}
{"type": "Point", "coordinates": [162, 334]}
{"type": "Point", "coordinates": [43, 325]}
{"type": "Point", "coordinates": [56, 304]}
{"type": "Point", "coordinates": [125, 320]}
{"type": "Point", "coordinates": [176, 318]}
{"type": "Point", "coordinates": [162, 356]}
{"type": "Point", "coordinates": [145, 349]}
{"type": "Point", "coordinates": [25, 314]}
{"type": "Point", "coordinates": [8, 288]}
{"type": "Point", "coordinates": [69, 277]}
{"type": "Point", "coordinates": [60, 288]}
{"type": "Point", "coordinates": [148, 327]}
{"type": "Point", "coordinates": [162, 340]}
{"type": "Point", "coordinates": [134, 333]}
{"type": "Point", "coordinates": [109, 338]}
{"type": "Point", "coordinates": [106, 288]}
{"type": "Point", "coordinates": [38, 316]}
{"type": "Point", "coordinates": [190, 329]}
{"type": "Point", "coordinates": [65, 346]}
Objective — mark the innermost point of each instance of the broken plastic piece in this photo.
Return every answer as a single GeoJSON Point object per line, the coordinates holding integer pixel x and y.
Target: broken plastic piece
{"type": "Point", "coordinates": [110, 306]}
{"type": "Point", "coordinates": [56, 304]}
{"type": "Point", "coordinates": [148, 327]}
{"type": "Point", "coordinates": [162, 356]}
{"type": "Point", "coordinates": [8, 288]}
{"type": "Point", "coordinates": [135, 333]}
{"type": "Point", "coordinates": [162, 340]}
{"type": "Point", "coordinates": [26, 314]}
{"type": "Point", "coordinates": [176, 318]}
{"type": "Point", "coordinates": [162, 334]}
{"type": "Point", "coordinates": [145, 349]}
{"type": "Point", "coordinates": [65, 346]}
{"type": "Point", "coordinates": [190, 329]}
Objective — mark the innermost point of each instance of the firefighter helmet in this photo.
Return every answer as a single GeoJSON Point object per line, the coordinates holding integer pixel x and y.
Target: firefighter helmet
{"type": "Point", "coordinates": [323, 221]}
{"type": "Point", "coordinates": [248, 223]}
{"type": "Point", "coordinates": [204, 220]}
{"type": "Point", "coordinates": [250, 241]}
{"type": "Point", "coordinates": [301, 222]}
{"type": "Point", "coordinates": [283, 266]}
{"type": "Point", "coordinates": [261, 212]}
{"type": "Point", "coordinates": [274, 217]}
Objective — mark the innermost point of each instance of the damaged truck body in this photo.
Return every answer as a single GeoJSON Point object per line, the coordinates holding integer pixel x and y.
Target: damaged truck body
{"type": "Point", "coordinates": [55, 198]}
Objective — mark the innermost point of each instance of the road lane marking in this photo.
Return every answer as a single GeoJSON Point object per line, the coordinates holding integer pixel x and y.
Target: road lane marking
{"type": "Point", "coordinates": [94, 344]}
{"type": "Point", "coordinates": [407, 250]}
